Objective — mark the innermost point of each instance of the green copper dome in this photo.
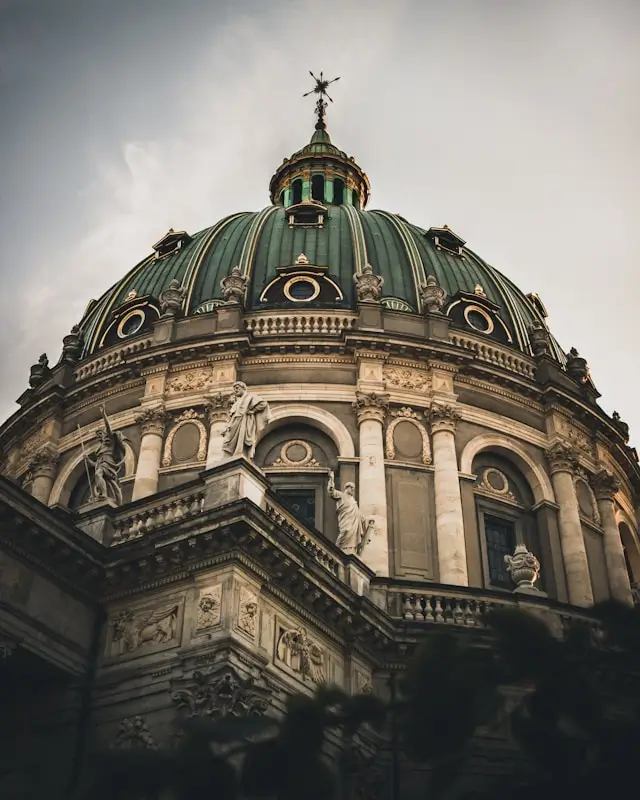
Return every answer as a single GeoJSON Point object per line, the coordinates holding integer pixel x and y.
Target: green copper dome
{"type": "Point", "coordinates": [325, 227]}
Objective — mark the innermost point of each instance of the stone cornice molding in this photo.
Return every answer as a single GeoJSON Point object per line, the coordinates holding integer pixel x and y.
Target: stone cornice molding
{"type": "Point", "coordinates": [152, 421]}
{"type": "Point", "coordinates": [371, 406]}
{"type": "Point", "coordinates": [605, 485]}
{"type": "Point", "coordinates": [442, 417]}
{"type": "Point", "coordinates": [562, 457]}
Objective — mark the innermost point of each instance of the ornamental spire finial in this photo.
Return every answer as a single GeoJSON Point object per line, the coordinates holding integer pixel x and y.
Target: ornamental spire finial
{"type": "Point", "coordinates": [321, 105]}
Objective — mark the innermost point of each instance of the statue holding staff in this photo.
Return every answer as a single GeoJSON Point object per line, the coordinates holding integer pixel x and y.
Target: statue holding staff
{"type": "Point", "coordinates": [107, 462]}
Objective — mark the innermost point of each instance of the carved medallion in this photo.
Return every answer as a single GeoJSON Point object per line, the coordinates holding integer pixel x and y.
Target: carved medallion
{"type": "Point", "coordinates": [209, 608]}
{"type": "Point", "coordinates": [248, 612]}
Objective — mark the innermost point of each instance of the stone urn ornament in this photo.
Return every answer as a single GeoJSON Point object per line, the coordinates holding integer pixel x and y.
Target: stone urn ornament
{"type": "Point", "coordinates": [171, 299]}
{"type": "Point", "coordinates": [524, 569]}
{"type": "Point", "coordinates": [433, 295]}
{"type": "Point", "coordinates": [539, 339]}
{"type": "Point", "coordinates": [577, 366]}
{"type": "Point", "coordinates": [39, 372]}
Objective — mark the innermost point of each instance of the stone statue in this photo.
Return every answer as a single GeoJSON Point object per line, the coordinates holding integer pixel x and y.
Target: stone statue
{"type": "Point", "coordinates": [247, 417]}
{"type": "Point", "coordinates": [539, 339]}
{"type": "Point", "coordinates": [368, 285]}
{"type": "Point", "coordinates": [234, 286]}
{"type": "Point", "coordinates": [352, 526]}
{"type": "Point", "coordinates": [107, 462]}
{"type": "Point", "coordinates": [621, 425]}
{"type": "Point", "coordinates": [171, 299]}
{"type": "Point", "coordinates": [433, 295]}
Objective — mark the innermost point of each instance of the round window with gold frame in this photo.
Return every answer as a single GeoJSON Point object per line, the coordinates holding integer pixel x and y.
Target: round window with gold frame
{"type": "Point", "coordinates": [478, 319]}
{"type": "Point", "coordinates": [131, 323]}
{"type": "Point", "coordinates": [301, 289]}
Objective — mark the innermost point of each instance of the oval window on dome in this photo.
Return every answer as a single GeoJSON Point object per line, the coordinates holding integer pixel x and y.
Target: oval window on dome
{"type": "Point", "coordinates": [131, 323]}
{"type": "Point", "coordinates": [301, 289]}
{"type": "Point", "coordinates": [478, 319]}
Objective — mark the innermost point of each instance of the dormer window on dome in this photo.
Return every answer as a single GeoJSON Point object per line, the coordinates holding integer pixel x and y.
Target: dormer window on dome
{"type": "Point", "coordinates": [310, 214]}
{"type": "Point", "coordinates": [134, 316]}
{"type": "Point", "coordinates": [301, 283]}
{"type": "Point", "coordinates": [445, 239]}
{"type": "Point", "coordinates": [474, 310]}
{"type": "Point", "coordinates": [170, 243]}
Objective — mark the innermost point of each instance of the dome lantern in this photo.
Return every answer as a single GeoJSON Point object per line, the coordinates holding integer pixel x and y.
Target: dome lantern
{"type": "Point", "coordinates": [320, 172]}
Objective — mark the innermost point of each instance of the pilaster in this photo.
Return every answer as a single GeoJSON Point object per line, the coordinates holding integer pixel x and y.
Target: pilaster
{"type": "Point", "coordinates": [152, 423]}
{"type": "Point", "coordinates": [605, 486]}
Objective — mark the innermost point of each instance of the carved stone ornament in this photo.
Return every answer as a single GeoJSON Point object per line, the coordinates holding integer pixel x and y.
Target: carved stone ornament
{"type": "Point", "coordinates": [371, 406]}
{"type": "Point", "coordinates": [219, 694]}
{"type": "Point", "coordinates": [363, 683]}
{"type": "Point", "coordinates": [192, 417]}
{"type": "Point", "coordinates": [442, 417]}
{"type": "Point", "coordinates": [523, 567]}
{"type": "Point", "coordinates": [44, 464]}
{"type": "Point", "coordinates": [582, 478]}
{"type": "Point", "coordinates": [433, 296]}
{"type": "Point", "coordinates": [107, 461]}
{"type": "Point", "coordinates": [152, 420]}
{"type": "Point", "coordinates": [171, 299]}
{"type": "Point", "coordinates": [403, 378]}
{"type": "Point", "coordinates": [622, 426]}
{"type": "Point", "coordinates": [368, 285]}
{"type": "Point", "coordinates": [133, 734]}
{"type": "Point", "coordinates": [495, 482]}
{"type": "Point", "coordinates": [284, 459]}
{"type": "Point", "coordinates": [209, 608]}
{"type": "Point", "coordinates": [39, 372]}
{"type": "Point", "coordinates": [248, 415]}
{"type": "Point", "coordinates": [145, 628]}
{"type": "Point", "coordinates": [195, 380]}
{"type": "Point", "coordinates": [539, 339]}
{"type": "Point", "coordinates": [296, 649]}
{"type": "Point", "coordinates": [605, 485]}
{"type": "Point", "coordinates": [577, 366]}
{"type": "Point", "coordinates": [218, 407]}
{"type": "Point", "coordinates": [562, 456]}
{"type": "Point", "coordinates": [406, 414]}
{"type": "Point", "coordinates": [247, 612]}
{"type": "Point", "coordinates": [72, 345]}
{"type": "Point", "coordinates": [234, 286]}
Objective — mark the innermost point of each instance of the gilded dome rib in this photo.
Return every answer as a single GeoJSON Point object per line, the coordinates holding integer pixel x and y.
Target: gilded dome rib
{"type": "Point", "coordinates": [360, 254]}
{"type": "Point", "coordinates": [415, 261]}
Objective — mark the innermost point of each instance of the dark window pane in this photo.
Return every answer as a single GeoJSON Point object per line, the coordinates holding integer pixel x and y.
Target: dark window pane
{"type": "Point", "coordinates": [500, 536]}
{"type": "Point", "coordinates": [302, 503]}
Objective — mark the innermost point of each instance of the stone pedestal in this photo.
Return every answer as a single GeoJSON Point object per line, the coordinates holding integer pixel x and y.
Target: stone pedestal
{"type": "Point", "coordinates": [152, 423]}
{"type": "Point", "coordinates": [234, 479]}
{"type": "Point", "coordinates": [605, 486]}
{"type": "Point", "coordinates": [562, 460]}
{"type": "Point", "coordinates": [43, 470]}
{"type": "Point", "coordinates": [96, 519]}
{"type": "Point", "coordinates": [371, 409]}
{"type": "Point", "coordinates": [452, 556]}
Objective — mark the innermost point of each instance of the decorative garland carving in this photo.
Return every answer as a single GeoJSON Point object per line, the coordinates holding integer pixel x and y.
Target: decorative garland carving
{"type": "Point", "coordinates": [406, 414]}
{"type": "Point", "coordinates": [404, 378]}
{"type": "Point", "coordinates": [197, 380]}
{"type": "Point", "coordinates": [192, 417]}
{"type": "Point", "coordinates": [485, 483]}
{"type": "Point", "coordinates": [283, 459]}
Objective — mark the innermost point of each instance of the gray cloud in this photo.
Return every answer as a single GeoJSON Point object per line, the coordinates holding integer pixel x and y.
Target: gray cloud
{"type": "Point", "coordinates": [515, 123]}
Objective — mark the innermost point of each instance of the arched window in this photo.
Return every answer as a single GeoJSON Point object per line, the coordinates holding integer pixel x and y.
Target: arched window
{"type": "Point", "coordinates": [504, 503]}
{"type": "Point", "coordinates": [296, 188]}
{"type": "Point", "coordinates": [631, 553]}
{"type": "Point", "coordinates": [317, 188]}
{"type": "Point", "coordinates": [355, 199]}
{"type": "Point", "coordinates": [338, 191]}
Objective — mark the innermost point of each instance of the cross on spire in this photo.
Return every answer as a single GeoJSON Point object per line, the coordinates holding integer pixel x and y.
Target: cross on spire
{"type": "Point", "coordinates": [321, 105]}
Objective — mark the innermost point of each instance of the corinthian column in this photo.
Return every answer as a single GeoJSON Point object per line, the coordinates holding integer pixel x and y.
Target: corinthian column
{"type": "Point", "coordinates": [152, 422]}
{"type": "Point", "coordinates": [43, 470]}
{"type": "Point", "coordinates": [605, 485]}
{"type": "Point", "coordinates": [562, 460]}
{"type": "Point", "coordinates": [452, 553]}
{"type": "Point", "coordinates": [370, 409]}
{"type": "Point", "coordinates": [218, 417]}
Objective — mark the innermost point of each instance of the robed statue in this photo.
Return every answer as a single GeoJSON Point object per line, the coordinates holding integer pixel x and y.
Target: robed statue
{"type": "Point", "coordinates": [353, 528]}
{"type": "Point", "coordinates": [248, 416]}
{"type": "Point", "coordinates": [106, 462]}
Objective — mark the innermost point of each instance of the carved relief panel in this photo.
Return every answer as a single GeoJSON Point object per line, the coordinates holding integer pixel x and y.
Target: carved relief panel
{"type": "Point", "coordinates": [246, 620]}
{"type": "Point", "coordinates": [299, 654]}
{"type": "Point", "coordinates": [209, 609]}
{"type": "Point", "coordinates": [137, 631]}
{"type": "Point", "coordinates": [186, 442]}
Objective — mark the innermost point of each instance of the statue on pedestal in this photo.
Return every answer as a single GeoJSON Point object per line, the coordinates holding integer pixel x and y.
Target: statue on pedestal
{"type": "Point", "coordinates": [106, 462]}
{"type": "Point", "coordinates": [248, 416]}
{"type": "Point", "coordinates": [352, 526]}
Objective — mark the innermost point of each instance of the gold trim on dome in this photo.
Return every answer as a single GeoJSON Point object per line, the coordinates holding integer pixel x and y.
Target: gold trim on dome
{"type": "Point", "coordinates": [301, 279]}
{"type": "Point", "coordinates": [489, 330]}
{"type": "Point", "coordinates": [135, 313]}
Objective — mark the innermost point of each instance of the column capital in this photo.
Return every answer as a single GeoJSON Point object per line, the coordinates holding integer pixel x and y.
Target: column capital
{"type": "Point", "coordinates": [218, 407]}
{"type": "Point", "coordinates": [442, 417]}
{"type": "Point", "coordinates": [562, 456]}
{"type": "Point", "coordinates": [605, 485]}
{"type": "Point", "coordinates": [44, 464]}
{"type": "Point", "coordinates": [371, 406]}
{"type": "Point", "coordinates": [152, 420]}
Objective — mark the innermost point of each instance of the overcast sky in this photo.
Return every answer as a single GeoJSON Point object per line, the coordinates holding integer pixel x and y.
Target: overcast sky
{"type": "Point", "coordinates": [515, 122]}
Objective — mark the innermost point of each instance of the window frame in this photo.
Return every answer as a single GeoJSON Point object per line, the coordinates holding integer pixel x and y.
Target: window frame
{"type": "Point", "coordinates": [511, 513]}
{"type": "Point", "coordinates": [303, 481]}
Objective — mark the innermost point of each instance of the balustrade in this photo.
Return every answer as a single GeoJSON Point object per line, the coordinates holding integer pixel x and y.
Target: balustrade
{"type": "Point", "coordinates": [300, 324]}
{"type": "Point", "coordinates": [135, 525]}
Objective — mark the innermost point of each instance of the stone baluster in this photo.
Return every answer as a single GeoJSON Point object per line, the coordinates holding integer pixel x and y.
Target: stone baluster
{"type": "Point", "coordinates": [563, 460]}
{"type": "Point", "coordinates": [152, 423]}
{"type": "Point", "coordinates": [452, 555]}
{"type": "Point", "coordinates": [42, 469]}
{"type": "Point", "coordinates": [370, 410]}
{"type": "Point", "coordinates": [219, 406]}
{"type": "Point", "coordinates": [605, 485]}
